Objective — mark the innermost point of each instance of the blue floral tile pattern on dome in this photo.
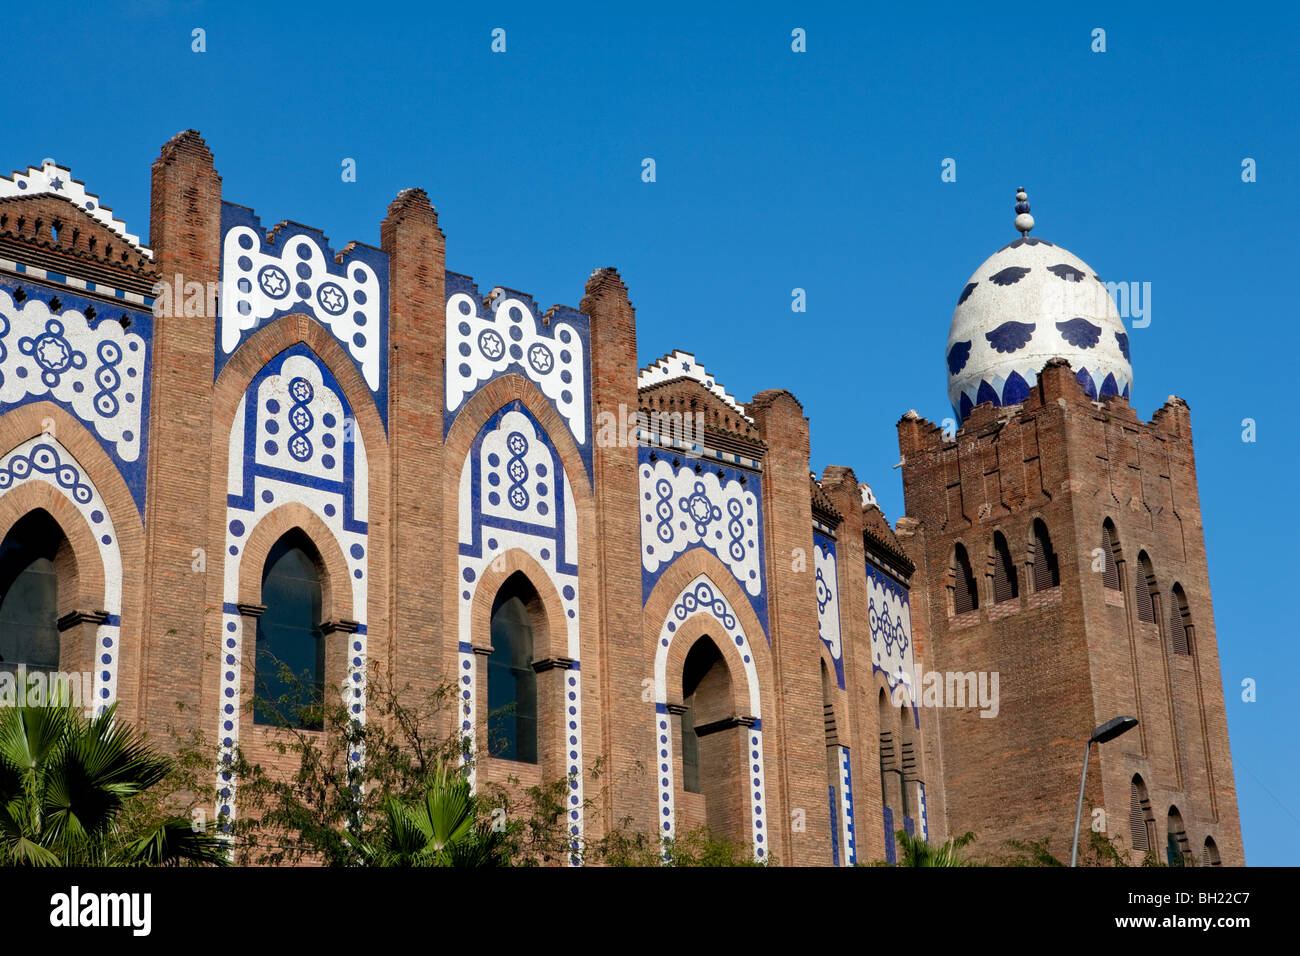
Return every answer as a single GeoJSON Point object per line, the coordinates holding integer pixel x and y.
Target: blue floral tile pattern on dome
{"type": "Point", "coordinates": [293, 270]}
{"type": "Point", "coordinates": [98, 369]}
{"type": "Point", "coordinates": [1080, 332]}
{"type": "Point", "coordinates": [1009, 276]}
{"type": "Point", "coordinates": [1067, 272]}
{"type": "Point", "coordinates": [1025, 241]}
{"type": "Point", "coordinates": [1015, 391]}
{"type": "Point", "coordinates": [1010, 336]}
{"type": "Point", "coordinates": [1121, 338]}
{"type": "Point", "coordinates": [957, 357]}
{"type": "Point", "coordinates": [1084, 378]}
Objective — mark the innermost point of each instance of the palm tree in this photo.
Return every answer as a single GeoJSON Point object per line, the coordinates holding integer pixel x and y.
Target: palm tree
{"type": "Point", "coordinates": [917, 852]}
{"type": "Point", "coordinates": [65, 784]}
{"type": "Point", "coordinates": [441, 829]}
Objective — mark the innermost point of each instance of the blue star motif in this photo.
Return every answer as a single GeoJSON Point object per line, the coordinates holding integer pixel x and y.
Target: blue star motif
{"type": "Point", "coordinates": [56, 184]}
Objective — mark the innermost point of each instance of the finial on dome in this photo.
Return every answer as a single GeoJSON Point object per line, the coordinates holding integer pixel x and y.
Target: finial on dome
{"type": "Point", "coordinates": [1024, 221]}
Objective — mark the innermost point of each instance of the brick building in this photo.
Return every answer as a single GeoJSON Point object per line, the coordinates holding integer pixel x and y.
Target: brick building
{"type": "Point", "coordinates": [238, 447]}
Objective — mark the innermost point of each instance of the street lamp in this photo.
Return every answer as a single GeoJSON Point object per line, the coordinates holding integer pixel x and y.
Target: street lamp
{"type": "Point", "coordinates": [1107, 731]}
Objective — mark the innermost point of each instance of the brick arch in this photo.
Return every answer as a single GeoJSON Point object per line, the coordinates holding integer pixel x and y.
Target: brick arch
{"type": "Point", "coordinates": [554, 642]}
{"type": "Point", "coordinates": [461, 649]}
{"type": "Point", "coordinates": [103, 643]}
{"type": "Point", "coordinates": [85, 568]}
{"type": "Point", "coordinates": [490, 399]}
{"type": "Point", "coordinates": [470, 420]}
{"type": "Point", "coordinates": [750, 686]}
{"type": "Point", "coordinates": [336, 588]}
{"type": "Point", "coordinates": [698, 625]}
{"type": "Point", "coordinates": [685, 568]}
{"type": "Point", "coordinates": [233, 382]}
{"type": "Point", "coordinates": [29, 421]}
{"type": "Point", "coordinates": [269, 341]}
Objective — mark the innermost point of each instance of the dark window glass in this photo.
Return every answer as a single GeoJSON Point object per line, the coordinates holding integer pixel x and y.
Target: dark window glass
{"type": "Point", "coordinates": [289, 638]}
{"type": "Point", "coordinates": [690, 750]}
{"type": "Point", "coordinates": [29, 632]}
{"type": "Point", "coordinates": [512, 682]}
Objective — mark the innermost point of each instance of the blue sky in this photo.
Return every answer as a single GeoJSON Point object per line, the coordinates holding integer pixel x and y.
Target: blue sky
{"type": "Point", "coordinates": [778, 170]}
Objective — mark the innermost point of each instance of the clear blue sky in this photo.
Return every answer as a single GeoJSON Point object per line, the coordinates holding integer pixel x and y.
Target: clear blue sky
{"type": "Point", "coordinates": [776, 171]}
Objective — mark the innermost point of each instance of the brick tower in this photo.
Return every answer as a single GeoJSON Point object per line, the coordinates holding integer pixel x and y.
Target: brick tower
{"type": "Point", "coordinates": [1058, 545]}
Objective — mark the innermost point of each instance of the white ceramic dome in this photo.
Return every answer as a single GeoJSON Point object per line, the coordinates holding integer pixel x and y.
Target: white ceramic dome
{"type": "Point", "coordinates": [1032, 301]}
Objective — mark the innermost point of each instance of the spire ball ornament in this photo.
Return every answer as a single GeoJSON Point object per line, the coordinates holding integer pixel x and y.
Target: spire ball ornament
{"type": "Point", "coordinates": [1024, 221]}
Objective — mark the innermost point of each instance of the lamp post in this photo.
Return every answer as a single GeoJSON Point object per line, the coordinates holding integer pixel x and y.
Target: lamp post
{"type": "Point", "coordinates": [1107, 731]}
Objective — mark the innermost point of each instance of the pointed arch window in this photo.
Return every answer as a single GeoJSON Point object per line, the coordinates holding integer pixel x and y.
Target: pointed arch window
{"type": "Point", "coordinates": [1180, 621]}
{"type": "Point", "coordinates": [1005, 585]}
{"type": "Point", "coordinates": [891, 779]}
{"type": "Point", "coordinates": [1141, 819]}
{"type": "Point", "coordinates": [1110, 555]}
{"type": "Point", "coordinates": [713, 739]}
{"type": "Point", "coordinates": [1177, 849]}
{"type": "Point", "coordinates": [1210, 853]}
{"type": "Point", "coordinates": [29, 593]}
{"type": "Point", "coordinates": [965, 597]}
{"type": "Point", "coordinates": [511, 679]}
{"type": "Point", "coordinates": [1046, 571]}
{"type": "Point", "coordinates": [290, 665]}
{"type": "Point", "coordinates": [1145, 590]}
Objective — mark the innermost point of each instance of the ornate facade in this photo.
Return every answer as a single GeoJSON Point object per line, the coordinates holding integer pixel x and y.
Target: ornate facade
{"type": "Point", "coordinates": [251, 447]}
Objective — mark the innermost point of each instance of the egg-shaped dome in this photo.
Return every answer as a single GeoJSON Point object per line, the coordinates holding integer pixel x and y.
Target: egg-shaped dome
{"type": "Point", "coordinates": [1032, 301]}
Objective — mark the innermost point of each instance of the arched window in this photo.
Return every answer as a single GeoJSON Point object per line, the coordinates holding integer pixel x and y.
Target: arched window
{"type": "Point", "coordinates": [712, 759]}
{"type": "Point", "coordinates": [1110, 554]}
{"type": "Point", "coordinates": [29, 593]}
{"type": "Point", "coordinates": [1145, 589]}
{"type": "Point", "coordinates": [1210, 853]}
{"type": "Point", "coordinates": [1141, 821]}
{"type": "Point", "coordinates": [965, 597]}
{"type": "Point", "coordinates": [890, 778]}
{"type": "Point", "coordinates": [1046, 573]}
{"type": "Point", "coordinates": [1180, 621]}
{"type": "Point", "coordinates": [907, 757]}
{"type": "Point", "coordinates": [1177, 849]}
{"type": "Point", "coordinates": [290, 666]}
{"type": "Point", "coordinates": [828, 708]}
{"type": "Point", "coordinates": [511, 680]}
{"type": "Point", "coordinates": [1005, 585]}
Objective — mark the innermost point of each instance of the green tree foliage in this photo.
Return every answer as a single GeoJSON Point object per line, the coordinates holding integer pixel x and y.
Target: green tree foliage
{"type": "Point", "coordinates": [73, 793]}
